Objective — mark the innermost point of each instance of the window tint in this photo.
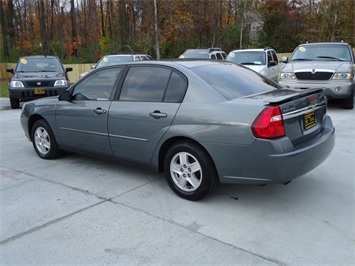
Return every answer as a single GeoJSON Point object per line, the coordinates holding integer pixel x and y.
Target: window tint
{"type": "Point", "coordinates": [269, 57]}
{"type": "Point", "coordinates": [176, 88]}
{"type": "Point", "coordinates": [97, 86]}
{"type": "Point", "coordinates": [146, 84]}
{"type": "Point", "coordinates": [237, 81]}
{"type": "Point", "coordinates": [153, 84]}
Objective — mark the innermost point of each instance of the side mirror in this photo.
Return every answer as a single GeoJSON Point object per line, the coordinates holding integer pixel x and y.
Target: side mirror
{"type": "Point", "coordinates": [284, 59]}
{"type": "Point", "coordinates": [10, 70]}
{"type": "Point", "coordinates": [64, 96]}
{"type": "Point", "coordinates": [272, 63]}
{"type": "Point", "coordinates": [68, 69]}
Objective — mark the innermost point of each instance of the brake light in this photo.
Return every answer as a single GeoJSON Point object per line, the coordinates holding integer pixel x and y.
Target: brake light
{"type": "Point", "coordinates": [269, 124]}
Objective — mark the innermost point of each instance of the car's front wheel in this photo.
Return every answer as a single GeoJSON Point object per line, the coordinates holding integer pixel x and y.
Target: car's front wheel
{"type": "Point", "coordinates": [15, 103]}
{"type": "Point", "coordinates": [348, 103]}
{"type": "Point", "coordinates": [44, 141]}
{"type": "Point", "coordinates": [190, 171]}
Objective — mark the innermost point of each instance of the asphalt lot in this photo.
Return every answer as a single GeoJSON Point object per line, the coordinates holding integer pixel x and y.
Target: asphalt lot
{"type": "Point", "coordinates": [85, 211]}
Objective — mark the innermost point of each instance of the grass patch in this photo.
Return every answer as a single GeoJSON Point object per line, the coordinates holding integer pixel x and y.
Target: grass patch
{"type": "Point", "coordinates": [4, 91]}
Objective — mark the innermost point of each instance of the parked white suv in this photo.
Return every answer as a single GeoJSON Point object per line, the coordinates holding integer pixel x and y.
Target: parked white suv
{"type": "Point", "coordinates": [329, 65]}
{"type": "Point", "coordinates": [209, 53]}
{"type": "Point", "coordinates": [263, 61]}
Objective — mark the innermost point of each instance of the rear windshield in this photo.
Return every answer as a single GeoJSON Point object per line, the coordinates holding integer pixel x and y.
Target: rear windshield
{"type": "Point", "coordinates": [233, 81]}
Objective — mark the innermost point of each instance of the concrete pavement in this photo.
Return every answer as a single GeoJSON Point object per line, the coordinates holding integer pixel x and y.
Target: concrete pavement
{"type": "Point", "coordinates": [86, 211]}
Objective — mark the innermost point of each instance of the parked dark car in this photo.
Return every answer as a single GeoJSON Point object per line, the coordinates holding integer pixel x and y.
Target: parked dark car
{"type": "Point", "coordinates": [182, 118]}
{"type": "Point", "coordinates": [35, 77]}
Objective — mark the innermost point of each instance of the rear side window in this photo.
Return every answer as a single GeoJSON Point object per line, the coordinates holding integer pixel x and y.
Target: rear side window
{"type": "Point", "coordinates": [233, 81]}
{"type": "Point", "coordinates": [153, 84]}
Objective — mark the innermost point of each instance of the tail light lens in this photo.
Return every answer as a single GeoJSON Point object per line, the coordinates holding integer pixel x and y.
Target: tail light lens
{"type": "Point", "coordinates": [269, 124]}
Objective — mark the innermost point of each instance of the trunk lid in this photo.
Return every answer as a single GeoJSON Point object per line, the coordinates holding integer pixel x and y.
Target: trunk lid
{"type": "Point", "coordinates": [303, 111]}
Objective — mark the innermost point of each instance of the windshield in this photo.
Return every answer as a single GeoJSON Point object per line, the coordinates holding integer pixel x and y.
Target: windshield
{"type": "Point", "coordinates": [233, 81]}
{"type": "Point", "coordinates": [111, 60]}
{"type": "Point", "coordinates": [39, 65]}
{"type": "Point", "coordinates": [247, 58]}
{"type": "Point", "coordinates": [195, 54]}
{"type": "Point", "coordinates": [321, 53]}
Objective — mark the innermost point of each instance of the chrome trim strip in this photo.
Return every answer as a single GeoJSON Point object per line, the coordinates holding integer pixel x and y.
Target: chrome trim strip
{"type": "Point", "coordinates": [126, 137]}
{"type": "Point", "coordinates": [83, 131]}
{"type": "Point", "coordinates": [302, 111]}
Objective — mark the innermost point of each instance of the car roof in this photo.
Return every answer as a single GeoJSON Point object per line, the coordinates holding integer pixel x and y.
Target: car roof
{"type": "Point", "coordinates": [186, 63]}
{"type": "Point", "coordinates": [324, 43]}
{"type": "Point", "coordinates": [39, 56]}
{"type": "Point", "coordinates": [252, 50]}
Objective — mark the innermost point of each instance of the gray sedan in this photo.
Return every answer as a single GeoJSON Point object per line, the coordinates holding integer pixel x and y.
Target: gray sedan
{"type": "Point", "coordinates": [199, 122]}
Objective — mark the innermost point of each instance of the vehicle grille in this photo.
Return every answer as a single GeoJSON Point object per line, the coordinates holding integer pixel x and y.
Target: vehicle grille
{"type": "Point", "coordinates": [44, 83]}
{"type": "Point", "coordinates": [315, 76]}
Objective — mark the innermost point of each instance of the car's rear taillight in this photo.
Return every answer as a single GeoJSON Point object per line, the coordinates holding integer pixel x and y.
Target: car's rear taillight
{"type": "Point", "coordinates": [269, 124]}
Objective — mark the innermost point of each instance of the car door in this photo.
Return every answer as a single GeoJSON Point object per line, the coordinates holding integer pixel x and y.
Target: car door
{"type": "Point", "coordinates": [82, 121]}
{"type": "Point", "coordinates": [146, 107]}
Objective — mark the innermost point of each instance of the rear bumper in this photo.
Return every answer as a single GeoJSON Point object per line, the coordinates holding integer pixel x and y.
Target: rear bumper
{"type": "Point", "coordinates": [28, 93]}
{"type": "Point", "coordinates": [273, 161]}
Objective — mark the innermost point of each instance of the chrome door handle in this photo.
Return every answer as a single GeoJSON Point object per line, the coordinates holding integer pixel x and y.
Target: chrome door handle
{"type": "Point", "coordinates": [100, 111]}
{"type": "Point", "coordinates": [157, 114]}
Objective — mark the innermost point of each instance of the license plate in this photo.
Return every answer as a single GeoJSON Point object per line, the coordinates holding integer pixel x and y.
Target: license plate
{"type": "Point", "coordinates": [39, 91]}
{"type": "Point", "coordinates": [309, 120]}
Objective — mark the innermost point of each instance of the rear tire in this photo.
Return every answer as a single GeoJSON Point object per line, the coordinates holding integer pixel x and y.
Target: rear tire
{"type": "Point", "coordinates": [348, 103]}
{"type": "Point", "coordinates": [15, 103]}
{"type": "Point", "coordinates": [190, 171]}
{"type": "Point", "coordinates": [44, 141]}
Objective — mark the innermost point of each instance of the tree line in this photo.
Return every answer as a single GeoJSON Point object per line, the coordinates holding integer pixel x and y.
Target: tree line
{"type": "Point", "coordinates": [80, 31]}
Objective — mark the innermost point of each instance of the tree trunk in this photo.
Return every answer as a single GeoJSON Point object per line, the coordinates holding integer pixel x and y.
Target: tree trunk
{"type": "Point", "coordinates": [5, 45]}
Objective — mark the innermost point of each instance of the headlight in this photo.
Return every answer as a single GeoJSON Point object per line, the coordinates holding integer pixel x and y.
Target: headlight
{"type": "Point", "coordinates": [16, 83]}
{"type": "Point", "coordinates": [287, 75]}
{"type": "Point", "coordinates": [343, 76]}
{"type": "Point", "coordinates": [61, 82]}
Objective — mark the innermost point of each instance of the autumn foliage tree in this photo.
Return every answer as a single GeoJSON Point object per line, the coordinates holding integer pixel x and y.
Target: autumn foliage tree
{"type": "Point", "coordinates": [84, 30]}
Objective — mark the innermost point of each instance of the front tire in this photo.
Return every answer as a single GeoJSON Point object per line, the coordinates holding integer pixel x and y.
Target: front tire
{"type": "Point", "coordinates": [348, 103]}
{"type": "Point", "coordinates": [190, 171]}
{"type": "Point", "coordinates": [15, 103]}
{"type": "Point", "coordinates": [44, 141]}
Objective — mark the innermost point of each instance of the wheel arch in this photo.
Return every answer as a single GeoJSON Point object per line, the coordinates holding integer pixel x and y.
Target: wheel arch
{"type": "Point", "coordinates": [31, 121]}
{"type": "Point", "coordinates": [170, 142]}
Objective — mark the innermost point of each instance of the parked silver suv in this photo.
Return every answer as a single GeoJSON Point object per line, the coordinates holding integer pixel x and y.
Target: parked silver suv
{"type": "Point", "coordinates": [324, 64]}
{"type": "Point", "coordinates": [116, 59]}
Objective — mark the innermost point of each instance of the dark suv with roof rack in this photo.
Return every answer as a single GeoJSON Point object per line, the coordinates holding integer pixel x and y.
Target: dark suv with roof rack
{"type": "Point", "coordinates": [35, 77]}
{"type": "Point", "coordinates": [329, 65]}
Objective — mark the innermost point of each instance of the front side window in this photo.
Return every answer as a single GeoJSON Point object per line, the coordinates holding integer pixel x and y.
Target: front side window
{"type": "Point", "coordinates": [97, 86]}
{"type": "Point", "coordinates": [153, 84]}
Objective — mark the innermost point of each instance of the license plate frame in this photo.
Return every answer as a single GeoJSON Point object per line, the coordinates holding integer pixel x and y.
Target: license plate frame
{"type": "Point", "coordinates": [309, 120]}
{"type": "Point", "coordinates": [39, 91]}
